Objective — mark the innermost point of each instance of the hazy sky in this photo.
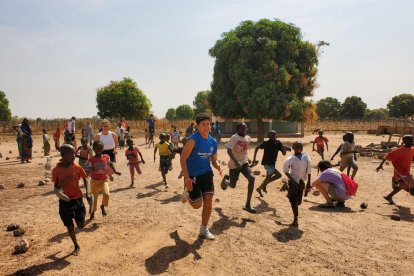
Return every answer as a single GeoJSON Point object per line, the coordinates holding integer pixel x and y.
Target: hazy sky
{"type": "Point", "coordinates": [54, 54]}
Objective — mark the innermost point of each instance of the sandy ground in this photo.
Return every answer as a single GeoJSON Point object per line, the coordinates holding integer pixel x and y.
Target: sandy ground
{"type": "Point", "coordinates": [149, 231]}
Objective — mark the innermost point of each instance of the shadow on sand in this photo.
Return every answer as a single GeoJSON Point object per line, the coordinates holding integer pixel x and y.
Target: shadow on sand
{"type": "Point", "coordinates": [161, 260]}
{"type": "Point", "coordinates": [57, 263]}
{"type": "Point", "coordinates": [224, 223]}
{"type": "Point", "coordinates": [288, 234]}
{"type": "Point", "coordinates": [59, 237]}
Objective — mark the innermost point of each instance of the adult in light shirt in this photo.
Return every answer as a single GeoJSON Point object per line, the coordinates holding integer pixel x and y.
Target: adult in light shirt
{"type": "Point", "coordinates": [109, 139]}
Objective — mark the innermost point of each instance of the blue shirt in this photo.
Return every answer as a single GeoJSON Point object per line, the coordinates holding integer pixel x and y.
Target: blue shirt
{"type": "Point", "coordinates": [198, 163]}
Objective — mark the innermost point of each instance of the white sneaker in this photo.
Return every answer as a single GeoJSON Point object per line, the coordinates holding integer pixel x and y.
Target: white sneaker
{"type": "Point", "coordinates": [184, 196]}
{"type": "Point", "coordinates": [205, 233]}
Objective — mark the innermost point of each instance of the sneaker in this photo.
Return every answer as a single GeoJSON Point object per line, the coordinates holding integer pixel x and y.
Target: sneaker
{"type": "Point", "coordinates": [225, 182]}
{"type": "Point", "coordinates": [184, 196]}
{"type": "Point", "coordinates": [205, 233]}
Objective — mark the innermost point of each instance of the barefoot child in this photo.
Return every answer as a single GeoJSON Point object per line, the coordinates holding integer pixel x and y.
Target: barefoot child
{"type": "Point", "coordinates": [132, 156]}
{"type": "Point", "coordinates": [271, 149]}
{"type": "Point", "coordinates": [66, 176]}
{"type": "Point", "coordinates": [401, 159]}
{"type": "Point", "coordinates": [320, 142]}
{"type": "Point", "coordinates": [164, 151]}
{"type": "Point", "coordinates": [297, 168]}
{"type": "Point", "coordinates": [99, 177]}
{"type": "Point", "coordinates": [347, 154]}
{"type": "Point", "coordinates": [239, 163]}
{"type": "Point", "coordinates": [84, 152]}
{"type": "Point", "coordinates": [46, 144]}
{"type": "Point", "coordinates": [338, 150]}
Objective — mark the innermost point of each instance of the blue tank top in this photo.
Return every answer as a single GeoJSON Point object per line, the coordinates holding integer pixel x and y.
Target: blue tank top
{"type": "Point", "coordinates": [198, 163]}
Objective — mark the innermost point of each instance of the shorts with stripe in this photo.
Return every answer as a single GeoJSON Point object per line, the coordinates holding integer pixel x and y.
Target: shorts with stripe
{"type": "Point", "coordinates": [203, 185]}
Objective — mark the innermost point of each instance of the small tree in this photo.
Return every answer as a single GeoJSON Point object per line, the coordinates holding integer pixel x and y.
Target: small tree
{"type": "Point", "coordinates": [122, 99]}
{"type": "Point", "coordinates": [5, 113]}
{"type": "Point", "coordinates": [170, 115]}
{"type": "Point", "coordinates": [201, 104]}
{"type": "Point", "coordinates": [401, 105]}
{"type": "Point", "coordinates": [184, 112]}
{"type": "Point", "coordinates": [328, 108]}
{"type": "Point", "coordinates": [376, 114]}
{"type": "Point", "coordinates": [353, 108]}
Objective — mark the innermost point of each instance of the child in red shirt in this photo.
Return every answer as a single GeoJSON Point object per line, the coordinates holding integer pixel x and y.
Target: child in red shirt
{"type": "Point", "coordinates": [66, 176]}
{"type": "Point", "coordinates": [320, 141]}
{"type": "Point", "coordinates": [132, 156]}
{"type": "Point", "coordinates": [99, 177]}
{"type": "Point", "coordinates": [401, 159]}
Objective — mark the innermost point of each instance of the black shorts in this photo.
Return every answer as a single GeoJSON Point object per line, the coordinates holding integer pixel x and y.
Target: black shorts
{"type": "Point", "coordinates": [151, 130]}
{"type": "Point", "coordinates": [73, 209]}
{"type": "Point", "coordinates": [203, 185]}
{"type": "Point", "coordinates": [295, 191]}
{"type": "Point", "coordinates": [111, 154]}
{"type": "Point", "coordinates": [165, 162]}
{"type": "Point", "coordinates": [235, 173]}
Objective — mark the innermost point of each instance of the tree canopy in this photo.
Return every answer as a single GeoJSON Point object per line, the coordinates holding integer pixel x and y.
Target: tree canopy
{"type": "Point", "coordinates": [376, 114]}
{"type": "Point", "coordinates": [184, 112]}
{"type": "Point", "coordinates": [401, 105]}
{"type": "Point", "coordinates": [261, 70]}
{"type": "Point", "coordinates": [5, 113]}
{"type": "Point", "coordinates": [353, 108]}
{"type": "Point", "coordinates": [122, 99]}
{"type": "Point", "coordinates": [170, 115]}
{"type": "Point", "coordinates": [200, 102]}
{"type": "Point", "coordinates": [328, 107]}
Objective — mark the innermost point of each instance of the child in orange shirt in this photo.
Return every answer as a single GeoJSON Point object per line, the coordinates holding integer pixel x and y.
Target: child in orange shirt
{"type": "Point", "coordinates": [99, 177]}
{"type": "Point", "coordinates": [320, 141]}
{"type": "Point", "coordinates": [66, 176]}
{"type": "Point", "coordinates": [132, 156]}
{"type": "Point", "coordinates": [401, 159]}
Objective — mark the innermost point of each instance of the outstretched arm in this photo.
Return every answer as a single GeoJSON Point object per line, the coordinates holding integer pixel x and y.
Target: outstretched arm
{"type": "Point", "coordinates": [230, 153]}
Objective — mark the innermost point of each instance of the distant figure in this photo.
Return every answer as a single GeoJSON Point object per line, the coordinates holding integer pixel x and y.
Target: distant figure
{"type": "Point", "coordinates": [190, 130]}
{"type": "Point", "coordinates": [164, 152]}
{"type": "Point", "coordinates": [46, 144]}
{"type": "Point", "coordinates": [320, 142]}
{"type": "Point", "coordinates": [18, 129]}
{"type": "Point", "coordinates": [123, 123]}
{"type": "Point", "coordinates": [89, 133]}
{"type": "Point", "coordinates": [151, 124]}
{"type": "Point", "coordinates": [175, 136]}
{"type": "Point", "coordinates": [217, 132]}
{"type": "Point", "coordinates": [27, 141]}
{"type": "Point", "coordinates": [348, 154]}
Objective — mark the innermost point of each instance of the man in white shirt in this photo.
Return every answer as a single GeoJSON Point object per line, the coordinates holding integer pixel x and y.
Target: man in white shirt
{"type": "Point", "coordinates": [297, 168]}
{"type": "Point", "coordinates": [239, 163]}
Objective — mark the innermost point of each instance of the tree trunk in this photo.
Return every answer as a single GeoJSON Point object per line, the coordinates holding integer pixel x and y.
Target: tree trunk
{"type": "Point", "coordinates": [260, 130]}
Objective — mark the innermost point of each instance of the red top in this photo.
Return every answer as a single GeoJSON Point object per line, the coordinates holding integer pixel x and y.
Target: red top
{"type": "Point", "coordinates": [134, 152]}
{"type": "Point", "coordinates": [401, 159]}
{"type": "Point", "coordinates": [319, 141]}
{"type": "Point", "coordinates": [68, 179]}
{"type": "Point", "coordinates": [100, 167]}
{"type": "Point", "coordinates": [56, 135]}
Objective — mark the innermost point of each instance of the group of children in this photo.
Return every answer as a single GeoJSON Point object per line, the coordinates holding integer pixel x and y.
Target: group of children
{"type": "Point", "coordinates": [296, 167]}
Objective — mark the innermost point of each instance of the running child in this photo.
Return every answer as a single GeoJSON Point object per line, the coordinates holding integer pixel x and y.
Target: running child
{"type": "Point", "coordinates": [271, 149]}
{"type": "Point", "coordinates": [164, 151]}
{"type": "Point", "coordinates": [146, 136]}
{"type": "Point", "coordinates": [99, 177]}
{"type": "Point", "coordinates": [401, 159]}
{"type": "Point", "coordinates": [297, 168]}
{"type": "Point", "coordinates": [239, 163]}
{"type": "Point", "coordinates": [133, 162]}
{"type": "Point", "coordinates": [46, 144]}
{"type": "Point", "coordinates": [320, 142]}
{"type": "Point", "coordinates": [151, 139]}
{"type": "Point", "coordinates": [175, 136]}
{"type": "Point", "coordinates": [84, 152]}
{"type": "Point", "coordinates": [66, 176]}
{"type": "Point", "coordinates": [338, 150]}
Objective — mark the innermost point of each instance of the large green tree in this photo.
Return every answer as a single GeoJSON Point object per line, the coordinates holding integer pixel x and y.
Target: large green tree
{"type": "Point", "coordinates": [5, 113]}
{"type": "Point", "coordinates": [122, 99]}
{"type": "Point", "coordinates": [353, 108]}
{"type": "Point", "coordinates": [171, 115]}
{"type": "Point", "coordinates": [184, 112]}
{"type": "Point", "coordinates": [200, 102]}
{"type": "Point", "coordinates": [401, 105]}
{"type": "Point", "coordinates": [376, 114]}
{"type": "Point", "coordinates": [328, 108]}
{"type": "Point", "coordinates": [261, 69]}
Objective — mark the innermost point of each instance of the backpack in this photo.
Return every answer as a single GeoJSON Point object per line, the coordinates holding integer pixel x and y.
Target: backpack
{"type": "Point", "coordinates": [351, 185]}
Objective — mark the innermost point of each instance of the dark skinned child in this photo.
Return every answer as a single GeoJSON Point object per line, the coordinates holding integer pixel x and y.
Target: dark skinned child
{"type": "Point", "coordinates": [164, 151]}
{"type": "Point", "coordinates": [133, 162]}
